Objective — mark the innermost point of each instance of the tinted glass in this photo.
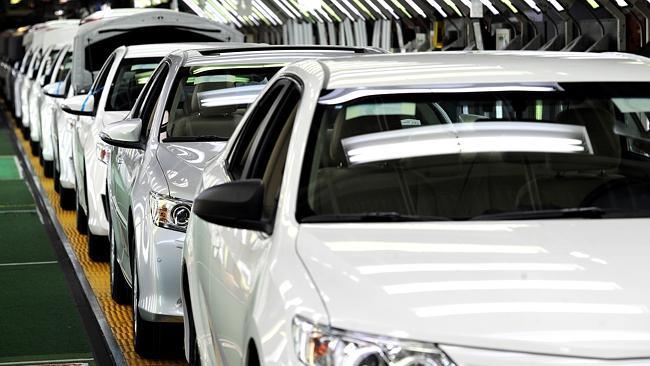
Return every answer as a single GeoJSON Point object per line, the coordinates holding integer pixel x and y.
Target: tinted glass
{"type": "Point", "coordinates": [130, 79]}
{"type": "Point", "coordinates": [209, 101]}
{"type": "Point", "coordinates": [574, 150]}
{"type": "Point", "coordinates": [65, 67]}
{"type": "Point", "coordinates": [49, 65]}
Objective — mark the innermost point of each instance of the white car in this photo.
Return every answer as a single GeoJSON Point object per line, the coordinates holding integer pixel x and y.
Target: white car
{"type": "Point", "coordinates": [182, 121]}
{"type": "Point", "coordinates": [441, 209]}
{"type": "Point", "coordinates": [44, 37]}
{"type": "Point", "coordinates": [53, 94]}
{"type": "Point", "coordinates": [41, 104]}
{"type": "Point", "coordinates": [109, 100]}
{"type": "Point", "coordinates": [97, 37]}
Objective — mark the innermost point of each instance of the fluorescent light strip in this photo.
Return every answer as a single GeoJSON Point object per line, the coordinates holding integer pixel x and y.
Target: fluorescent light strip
{"type": "Point", "coordinates": [416, 8]}
{"type": "Point", "coordinates": [593, 4]}
{"type": "Point", "coordinates": [463, 145]}
{"type": "Point", "coordinates": [254, 19]}
{"type": "Point", "coordinates": [384, 4]}
{"type": "Point", "coordinates": [324, 14]}
{"type": "Point", "coordinates": [223, 10]}
{"type": "Point", "coordinates": [354, 9]}
{"type": "Point", "coordinates": [292, 8]}
{"type": "Point", "coordinates": [258, 15]}
{"type": "Point", "coordinates": [268, 11]}
{"type": "Point", "coordinates": [375, 8]}
{"type": "Point", "coordinates": [195, 8]}
{"type": "Point", "coordinates": [315, 14]}
{"type": "Point", "coordinates": [216, 13]}
{"type": "Point", "coordinates": [401, 7]}
{"type": "Point", "coordinates": [556, 5]}
{"type": "Point", "coordinates": [510, 6]}
{"type": "Point", "coordinates": [454, 7]}
{"type": "Point", "coordinates": [342, 9]}
{"type": "Point", "coordinates": [621, 3]}
{"type": "Point", "coordinates": [284, 9]}
{"type": "Point", "coordinates": [491, 7]}
{"type": "Point", "coordinates": [479, 89]}
{"type": "Point", "coordinates": [437, 7]}
{"type": "Point", "coordinates": [265, 10]}
{"type": "Point", "coordinates": [365, 10]}
{"type": "Point", "coordinates": [331, 11]}
{"type": "Point", "coordinates": [532, 5]}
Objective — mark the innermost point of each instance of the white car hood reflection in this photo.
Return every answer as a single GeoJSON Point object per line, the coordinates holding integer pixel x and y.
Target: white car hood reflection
{"type": "Point", "coordinates": [563, 287]}
{"type": "Point", "coordinates": [182, 164]}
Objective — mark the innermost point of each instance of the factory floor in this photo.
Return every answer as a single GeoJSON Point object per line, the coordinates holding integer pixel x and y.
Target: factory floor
{"type": "Point", "coordinates": [56, 303]}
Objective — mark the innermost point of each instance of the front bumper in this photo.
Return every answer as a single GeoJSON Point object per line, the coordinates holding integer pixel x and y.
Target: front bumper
{"type": "Point", "coordinates": [159, 272]}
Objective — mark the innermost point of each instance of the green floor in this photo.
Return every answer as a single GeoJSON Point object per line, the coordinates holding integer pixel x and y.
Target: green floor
{"type": "Point", "coordinates": [39, 321]}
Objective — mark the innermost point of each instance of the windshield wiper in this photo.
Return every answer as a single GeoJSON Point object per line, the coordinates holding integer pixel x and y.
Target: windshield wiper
{"type": "Point", "coordinates": [371, 217]}
{"type": "Point", "coordinates": [195, 138]}
{"type": "Point", "coordinates": [578, 212]}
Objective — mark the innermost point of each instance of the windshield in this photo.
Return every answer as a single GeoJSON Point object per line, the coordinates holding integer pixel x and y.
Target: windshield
{"type": "Point", "coordinates": [570, 150]}
{"type": "Point", "coordinates": [131, 77]}
{"type": "Point", "coordinates": [26, 61]}
{"type": "Point", "coordinates": [65, 67]}
{"type": "Point", "coordinates": [209, 101]}
{"type": "Point", "coordinates": [48, 65]}
{"type": "Point", "coordinates": [36, 63]}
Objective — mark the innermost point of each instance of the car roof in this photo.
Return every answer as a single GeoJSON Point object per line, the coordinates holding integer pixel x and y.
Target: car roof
{"type": "Point", "coordinates": [163, 49]}
{"type": "Point", "coordinates": [408, 70]}
{"type": "Point", "coordinates": [266, 54]}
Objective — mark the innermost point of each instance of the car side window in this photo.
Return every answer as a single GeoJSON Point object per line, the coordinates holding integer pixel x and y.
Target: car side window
{"type": "Point", "coordinates": [252, 128]}
{"type": "Point", "coordinates": [98, 86]}
{"type": "Point", "coordinates": [270, 152]}
{"type": "Point", "coordinates": [149, 103]}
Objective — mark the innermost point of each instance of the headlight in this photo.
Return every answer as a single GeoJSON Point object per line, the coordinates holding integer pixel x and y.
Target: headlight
{"type": "Point", "coordinates": [322, 346]}
{"type": "Point", "coordinates": [103, 152]}
{"type": "Point", "coordinates": [170, 213]}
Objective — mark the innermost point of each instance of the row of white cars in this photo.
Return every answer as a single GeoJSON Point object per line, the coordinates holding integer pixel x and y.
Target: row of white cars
{"type": "Point", "coordinates": [333, 206]}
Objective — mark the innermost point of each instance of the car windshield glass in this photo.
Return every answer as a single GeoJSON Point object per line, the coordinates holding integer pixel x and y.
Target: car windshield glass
{"type": "Point", "coordinates": [36, 63]}
{"type": "Point", "coordinates": [210, 100]}
{"type": "Point", "coordinates": [497, 153]}
{"type": "Point", "coordinates": [129, 80]}
{"type": "Point", "coordinates": [26, 60]}
{"type": "Point", "coordinates": [66, 65]}
{"type": "Point", "coordinates": [49, 64]}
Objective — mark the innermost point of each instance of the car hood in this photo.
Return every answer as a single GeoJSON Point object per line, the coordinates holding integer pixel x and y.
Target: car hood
{"type": "Point", "coordinates": [562, 287]}
{"type": "Point", "coordinates": [182, 164]}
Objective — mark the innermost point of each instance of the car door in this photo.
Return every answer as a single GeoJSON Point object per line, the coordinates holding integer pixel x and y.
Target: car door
{"type": "Point", "coordinates": [127, 162]}
{"type": "Point", "coordinates": [235, 254]}
{"type": "Point", "coordinates": [82, 134]}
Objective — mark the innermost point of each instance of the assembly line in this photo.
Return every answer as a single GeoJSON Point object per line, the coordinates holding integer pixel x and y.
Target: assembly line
{"type": "Point", "coordinates": [259, 204]}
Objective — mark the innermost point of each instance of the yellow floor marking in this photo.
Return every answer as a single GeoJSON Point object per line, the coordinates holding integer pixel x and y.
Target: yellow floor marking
{"type": "Point", "coordinates": [118, 316]}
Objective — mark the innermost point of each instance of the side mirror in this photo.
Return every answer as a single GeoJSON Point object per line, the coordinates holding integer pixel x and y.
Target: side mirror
{"type": "Point", "coordinates": [79, 105]}
{"type": "Point", "coordinates": [55, 90]}
{"type": "Point", "coordinates": [125, 133]}
{"type": "Point", "coordinates": [237, 204]}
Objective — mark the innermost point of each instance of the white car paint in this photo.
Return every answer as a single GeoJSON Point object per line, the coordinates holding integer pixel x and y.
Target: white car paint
{"type": "Point", "coordinates": [502, 293]}
{"type": "Point", "coordinates": [90, 172]}
{"type": "Point", "coordinates": [173, 169]}
{"type": "Point", "coordinates": [45, 36]}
